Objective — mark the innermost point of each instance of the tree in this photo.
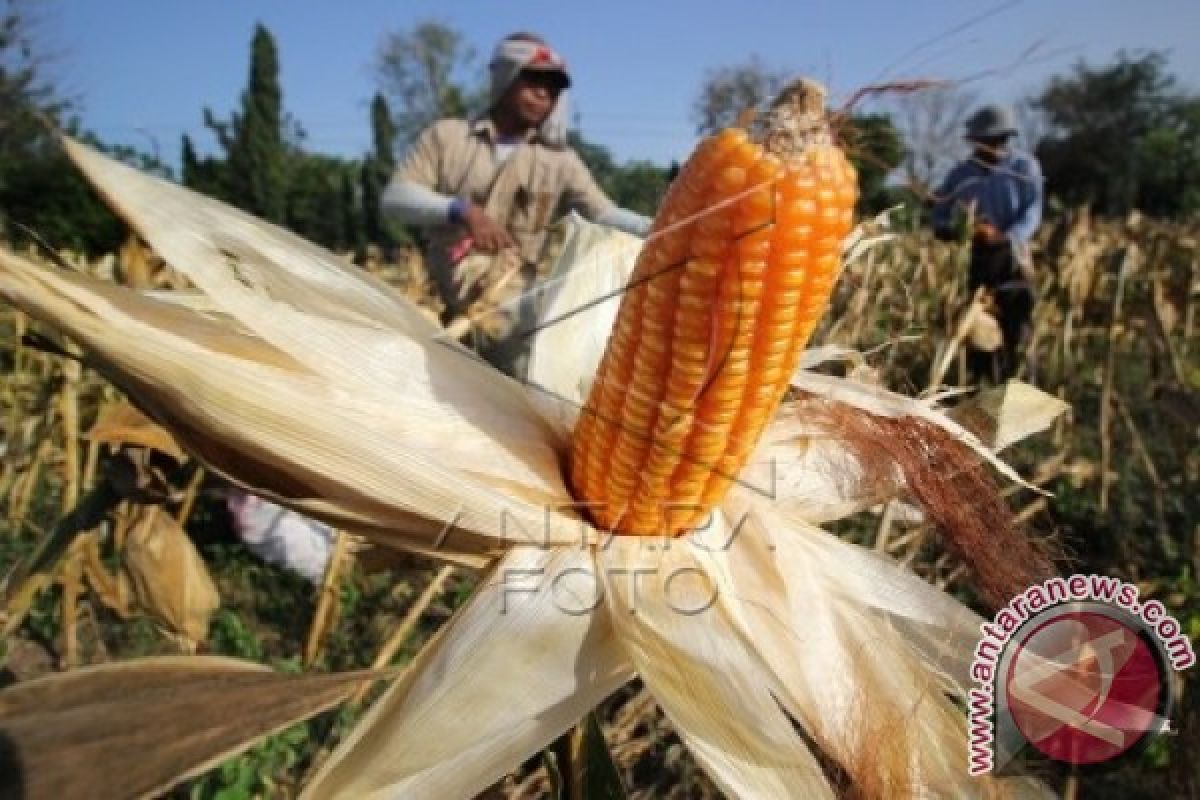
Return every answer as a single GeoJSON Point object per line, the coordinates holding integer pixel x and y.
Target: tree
{"type": "Point", "coordinates": [637, 185]}
{"type": "Point", "coordinates": [1168, 160]}
{"type": "Point", "coordinates": [39, 188]}
{"type": "Point", "coordinates": [931, 124]}
{"type": "Point", "coordinates": [205, 175]}
{"type": "Point", "coordinates": [320, 203]}
{"type": "Point", "coordinates": [422, 71]}
{"type": "Point", "coordinates": [1121, 137]}
{"type": "Point", "coordinates": [27, 97]}
{"type": "Point", "coordinates": [377, 168]}
{"type": "Point", "coordinates": [876, 150]}
{"type": "Point", "coordinates": [640, 186]}
{"type": "Point", "coordinates": [728, 91]}
{"type": "Point", "coordinates": [253, 139]}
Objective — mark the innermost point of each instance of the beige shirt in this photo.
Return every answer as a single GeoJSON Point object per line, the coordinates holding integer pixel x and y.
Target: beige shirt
{"type": "Point", "coordinates": [457, 157]}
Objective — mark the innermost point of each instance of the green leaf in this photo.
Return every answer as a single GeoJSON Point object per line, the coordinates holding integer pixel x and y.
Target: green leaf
{"type": "Point", "coordinates": [601, 778]}
{"type": "Point", "coordinates": [581, 767]}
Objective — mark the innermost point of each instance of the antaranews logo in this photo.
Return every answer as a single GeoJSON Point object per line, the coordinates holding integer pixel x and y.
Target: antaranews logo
{"type": "Point", "coordinates": [1077, 668]}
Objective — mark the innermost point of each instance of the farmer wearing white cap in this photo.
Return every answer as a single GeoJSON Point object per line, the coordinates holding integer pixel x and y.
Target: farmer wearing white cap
{"type": "Point", "coordinates": [999, 191]}
{"type": "Point", "coordinates": [485, 191]}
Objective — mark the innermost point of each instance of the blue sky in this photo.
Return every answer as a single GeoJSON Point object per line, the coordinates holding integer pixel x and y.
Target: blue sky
{"type": "Point", "coordinates": [144, 69]}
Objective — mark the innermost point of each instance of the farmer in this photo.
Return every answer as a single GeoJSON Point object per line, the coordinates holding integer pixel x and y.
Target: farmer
{"type": "Point", "coordinates": [997, 192]}
{"type": "Point", "coordinates": [485, 191]}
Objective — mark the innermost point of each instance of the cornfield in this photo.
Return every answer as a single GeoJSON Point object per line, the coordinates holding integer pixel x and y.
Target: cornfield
{"type": "Point", "coordinates": [97, 500]}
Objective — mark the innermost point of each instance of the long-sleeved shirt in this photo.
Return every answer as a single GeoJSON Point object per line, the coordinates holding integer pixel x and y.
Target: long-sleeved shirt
{"type": "Point", "coordinates": [1008, 194]}
{"type": "Point", "coordinates": [519, 184]}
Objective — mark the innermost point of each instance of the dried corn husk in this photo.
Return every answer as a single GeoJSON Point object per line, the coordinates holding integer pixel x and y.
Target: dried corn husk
{"type": "Point", "coordinates": [396, 442]}
{"type": "Point", "coordinates": [328, 393]}
{"type": "Point", "coordinates": [168, 576]}
{"type": "Point", "coordinates": [1007, 414]}
{"type": "Point", "coordinates": [122, 424]}
{"type": "Point", "coordinates": [983, 332]}
{"type": "Point", "coordinates": [133, 729]}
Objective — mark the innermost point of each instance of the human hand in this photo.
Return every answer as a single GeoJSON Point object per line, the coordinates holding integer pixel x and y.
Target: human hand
{"type": "Point", "coordinates": [988, 233]}
{"type": "Point", "coordinates": [488, 235]}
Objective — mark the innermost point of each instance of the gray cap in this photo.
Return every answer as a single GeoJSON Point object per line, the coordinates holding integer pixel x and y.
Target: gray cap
{"type": "Point", "coordinates": [991, 122]}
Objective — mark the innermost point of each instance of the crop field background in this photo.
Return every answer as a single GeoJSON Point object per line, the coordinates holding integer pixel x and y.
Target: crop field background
{"type": "Point", "coordinates": [115, 544]}
{"type": "Point", "coordinates": [98, 568]}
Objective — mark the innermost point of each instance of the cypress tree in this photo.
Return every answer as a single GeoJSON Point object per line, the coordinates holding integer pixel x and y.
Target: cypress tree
{"type": "Point", "coordinates": [383, 133]}
{"type": "Point", "coordinates": [256, 148]}
{"type": "Point", "coordinates": [376, 170]}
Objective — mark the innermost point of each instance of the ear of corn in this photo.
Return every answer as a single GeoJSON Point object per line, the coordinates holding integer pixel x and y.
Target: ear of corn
{"type": "Point", "coordinates": [737, 271]}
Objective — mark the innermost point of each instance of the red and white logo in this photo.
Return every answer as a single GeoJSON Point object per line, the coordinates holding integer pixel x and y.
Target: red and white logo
{"type": "Point", "coordinates": [1083, 685]}
{"type": "Point", "coordinates": [1078, 667]}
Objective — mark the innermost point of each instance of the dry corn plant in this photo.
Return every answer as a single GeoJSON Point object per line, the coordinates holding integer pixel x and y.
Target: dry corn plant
{"type": "Point", "coordinates": [160, 573]}
{"type": "Point", "coordinates": [644, 454]}
{"type": "Point", "coordinates": [1120, 294]}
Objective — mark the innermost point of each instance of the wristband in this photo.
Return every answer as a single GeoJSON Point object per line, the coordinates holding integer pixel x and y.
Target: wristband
{"type": "Point", "coordinates": [457, 210]}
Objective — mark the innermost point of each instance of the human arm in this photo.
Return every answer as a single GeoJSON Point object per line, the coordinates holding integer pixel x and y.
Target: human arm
{"type": "Point", "coordinates": [1029, 213]}
{"type": "Point", "coordinates": [944, 216]}
{"type": "Point", "coordinates": [413, 204]}
{"type": "Point", "coordinates": [582, 193]}
{"type": "Point", "coordinates": [625, 220]}
{"type": "Point", "coordinates": [411, 197]}
{"type": "Point", "coordinates": [410, 203]}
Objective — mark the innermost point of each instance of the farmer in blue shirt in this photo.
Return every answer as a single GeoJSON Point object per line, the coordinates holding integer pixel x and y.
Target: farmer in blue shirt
{"type": "Point", "coordinates": [997, 192]}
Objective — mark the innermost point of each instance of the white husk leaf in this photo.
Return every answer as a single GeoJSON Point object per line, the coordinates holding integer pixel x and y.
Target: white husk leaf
{"type": "Point", "coordinates": [868, 697]}
{"type": "Point", "coordinates": [340, 323]}
{"type": "Point", "coordinates": [262, 419]}
{"type": "Point", "coordinates": [581, 299]}
{"type": "Point", "coordinates": [531, 653]}
{"type": "Point", "coordinates": [861, 652]}
{"type": "Point", "coordinates": [1004, 415]}
{"type": "Point", "coordinates": [708, 680]}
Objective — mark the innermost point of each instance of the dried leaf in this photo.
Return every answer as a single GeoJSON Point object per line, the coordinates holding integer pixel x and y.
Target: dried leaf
{"type": "Point", "coordinates": [168, 576]}
{"type": "Point", "coordinates": [1007, 414]}
{"type": "Point", "coordinates": [123, 424]}
{"type": "Point", "coordinates": [531, 652]}
{"type": "Point", "coordinates": [983, 332]}
{"type": "Point", "coordinates": [136, 728]}
{"type": "Point", "coordinates": [714, 688]}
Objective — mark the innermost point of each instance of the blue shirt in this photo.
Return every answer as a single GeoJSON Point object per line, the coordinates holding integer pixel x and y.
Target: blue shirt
{"type": "Point", "coordinates": [1007, 194]}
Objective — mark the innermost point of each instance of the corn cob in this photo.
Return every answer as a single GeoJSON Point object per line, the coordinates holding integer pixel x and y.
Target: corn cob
{"type": "Point", "coordinates": [734, 276]}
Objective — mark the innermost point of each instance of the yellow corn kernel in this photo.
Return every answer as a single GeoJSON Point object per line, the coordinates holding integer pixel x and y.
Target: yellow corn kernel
{"type": "Point", "coordinates": [729, 286]}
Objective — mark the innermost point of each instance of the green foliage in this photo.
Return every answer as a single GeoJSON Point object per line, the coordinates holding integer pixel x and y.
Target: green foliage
{"type": "Point", "coordinates": [321, 203]}
{"type": "Point", "coordinates": [640, 186]}
{"type": "Point", "coordinates": [206, 175]}
{"type": "Point", "coordinates": [1122, 137]}
{"type": "Point", "coordinates": [876, 150]}
{"type": "Point", "coordinates": [376, 170]}
{"type": "Point", "coordinates": [636, 185]}
{"type": "Point", "coordinates": [254, 174]}
{"type": "Point", "coordinates": [258, 772]}
{"type": "Point", "coordinates": [229, 636]}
